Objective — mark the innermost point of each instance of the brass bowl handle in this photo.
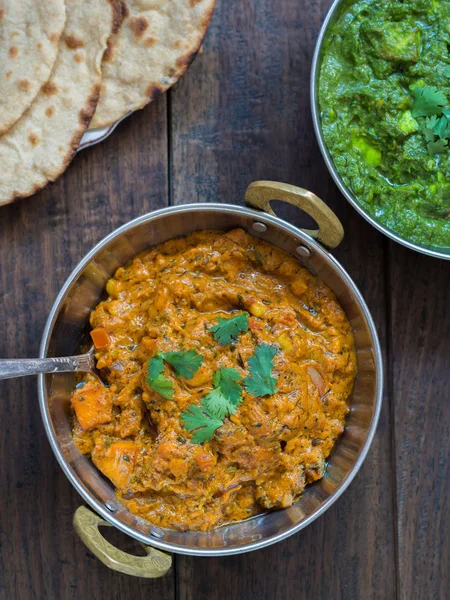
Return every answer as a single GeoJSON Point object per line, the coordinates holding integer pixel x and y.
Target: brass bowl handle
{"type": "Point", "coordinates": [330, 232]}
{"type": "Point", "coordinates": [86, 524]}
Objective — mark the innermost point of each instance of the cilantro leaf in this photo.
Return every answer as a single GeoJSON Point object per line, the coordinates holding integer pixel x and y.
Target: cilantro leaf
{"type": "Point", "coordinates": [226, 395]}
{"type": "Point", "coordinates": [442, 128]}
{"type": "Point", "coordinates": [228, 329]}
{"type": "Point", "coordinates": [428, 128]}
{"type": "Point", "coordinates": [447, 71]}
{"type": "Point", "coordinates": [428, 134]}
{"type": "Point", "coordinates": [226, 380]}
{"type": "Point", "coordinates": [185, 364]}
{"type": "Point", "coordinates": [162, 386]}
{"type": "Point", "coordinates": [155, 366]}
{"type": "Point", "coordinates": [156, 380]}
{"type": "Point", "coordinates": [428, 101]}
{"type": "Point", "coordinates": [201, 421]}
{"type": "Point", "coordinates": [261, 382]}
{"type": "Point", "coordinates": [431, 122]}
{"type": "Point", "coordinates": [438, 147]}
{"type": "Point", "coordinates": [217, 405]}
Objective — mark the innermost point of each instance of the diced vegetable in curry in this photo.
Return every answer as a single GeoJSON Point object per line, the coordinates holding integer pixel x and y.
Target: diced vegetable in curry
{"type": "Point", "coordinates": [229, 369]}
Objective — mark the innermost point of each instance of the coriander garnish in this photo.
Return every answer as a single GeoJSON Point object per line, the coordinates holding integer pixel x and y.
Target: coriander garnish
{"type": "Point", "coordinates": [261, 382]}
{"type": "Point", "coordinates": [222, 401]}
{"type": "Point", "coordinates": [226, 395]}
{"type": "Point", "coordinates": [185, 364]}
{"type": "Point", "coordinates": [429, 106]}
{"type": "Point", "coordinates": [156, 380]}
{"type": "Point", "coordinates": [428, 101]}
{"type": "Point", "coordinates": [201, 421]}
{"type": "Point", "coordinates": [229, 329]}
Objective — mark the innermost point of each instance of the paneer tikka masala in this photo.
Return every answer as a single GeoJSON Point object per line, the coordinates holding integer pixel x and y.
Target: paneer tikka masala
{"type": "Point", "coordinates": [229, 368]}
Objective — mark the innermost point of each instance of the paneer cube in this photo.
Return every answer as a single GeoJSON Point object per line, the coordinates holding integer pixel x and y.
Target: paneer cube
{"type": "Point", "coordinates": [92, 405]}
{"type": "Point", "coordinates": [116, 461]}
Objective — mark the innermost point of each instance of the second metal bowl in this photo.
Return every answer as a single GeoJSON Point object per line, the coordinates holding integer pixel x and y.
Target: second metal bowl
{"type": "Point", "coordinates": [332, 16]}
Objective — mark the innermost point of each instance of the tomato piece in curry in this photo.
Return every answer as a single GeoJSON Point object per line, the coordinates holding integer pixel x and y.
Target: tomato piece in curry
{"type": "Point", "coordinates": [167, 299]}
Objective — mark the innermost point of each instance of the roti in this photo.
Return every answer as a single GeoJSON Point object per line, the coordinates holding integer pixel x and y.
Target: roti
{"type": "Point", "coordinates": [156, 43]}
{"type": "Point", "coordinates": [38, 148]}
{"type": "Point", "coordinates": [29, 38]}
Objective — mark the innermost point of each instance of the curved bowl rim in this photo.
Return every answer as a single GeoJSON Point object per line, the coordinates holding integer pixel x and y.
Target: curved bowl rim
{"type": "Point", "coordinates": [100, 508]}
{"type": "Point", "coordinates": [327, 156]}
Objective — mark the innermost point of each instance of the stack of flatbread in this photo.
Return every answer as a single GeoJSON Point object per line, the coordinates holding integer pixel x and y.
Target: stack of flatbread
{"type": "Point", "coordinates": [66, 65]}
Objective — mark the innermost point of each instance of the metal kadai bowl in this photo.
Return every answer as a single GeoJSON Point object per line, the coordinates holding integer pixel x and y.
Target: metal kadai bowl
{"type": "Point", "coordinates": [325, 31]}
{"type": "Point", "coordinates": [67, 327]}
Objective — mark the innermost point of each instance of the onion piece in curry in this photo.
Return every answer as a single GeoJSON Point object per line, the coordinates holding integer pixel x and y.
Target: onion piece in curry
{"type": "Point", "coordinates": [167, 299]}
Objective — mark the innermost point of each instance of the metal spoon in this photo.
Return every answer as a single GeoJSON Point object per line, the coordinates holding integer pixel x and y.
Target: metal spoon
{"type": "Point", "coordinates": [20, 367]}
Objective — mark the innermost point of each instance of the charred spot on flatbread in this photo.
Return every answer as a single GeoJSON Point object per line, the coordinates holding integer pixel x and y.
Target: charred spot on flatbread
{"type": "Point", "coordinates": [24, 85]}
{"type": "Point", "coordinates": [119, 9]}
{"type": "Point", "coordinates": [186, 60]}
{"type": "Point", "coordinates": [109, 51]}
{"type": "Point", "coordinates": [33, 138]}
{"type": "Point", "coordinates": [69, 96]}
{"type": "Point", "coordinates": [49, 88]}
{"type": "Point", "coordinates": [73, 42]}
{"type": "Point", "coordinates": [153, 91]}
{"type": "Point", "coordinates": [156, 38]}
{"type": "Point", "coordinates": [138, 26]}
{"type": "Point", "coordinates": [31, 32]}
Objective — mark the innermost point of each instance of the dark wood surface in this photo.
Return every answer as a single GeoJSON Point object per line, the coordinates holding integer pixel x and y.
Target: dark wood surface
{"type": "Point", "coordinates": [241, 113]}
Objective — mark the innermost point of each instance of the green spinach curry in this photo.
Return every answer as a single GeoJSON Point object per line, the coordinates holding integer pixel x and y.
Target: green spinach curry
{"type": "Point", "coordinates": [384, 87]}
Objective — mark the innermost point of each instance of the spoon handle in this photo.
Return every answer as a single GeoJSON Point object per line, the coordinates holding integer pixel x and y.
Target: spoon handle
{"type": "Point", "coordinates": [20, 367]}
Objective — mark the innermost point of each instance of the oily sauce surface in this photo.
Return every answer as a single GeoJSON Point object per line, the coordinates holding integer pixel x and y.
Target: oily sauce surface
{"type": "Point", "coordinates": [167, 299]}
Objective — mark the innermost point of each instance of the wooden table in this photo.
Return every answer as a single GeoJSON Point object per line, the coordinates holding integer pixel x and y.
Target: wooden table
{"type": "Point", "coordinates": [241, 113]}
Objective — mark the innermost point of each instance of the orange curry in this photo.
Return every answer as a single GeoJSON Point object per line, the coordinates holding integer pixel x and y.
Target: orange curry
{"type": "Point", "coordinates": [168, 299]}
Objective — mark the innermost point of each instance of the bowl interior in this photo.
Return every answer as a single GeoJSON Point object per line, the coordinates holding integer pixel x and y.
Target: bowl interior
{"type": "Point", "coordinates": [327, 29]}
{"type": "Point", "coordinates": [67, 326]}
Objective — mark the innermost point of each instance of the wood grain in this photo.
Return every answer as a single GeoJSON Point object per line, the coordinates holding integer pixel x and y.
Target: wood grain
{"type": "Point", "coordinates": [42, 238]}
{"type": "Point", "coordinates": [242, 115]}
{"type": "Point", "coordinates": [420, 342]}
